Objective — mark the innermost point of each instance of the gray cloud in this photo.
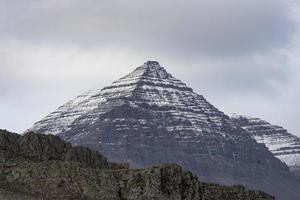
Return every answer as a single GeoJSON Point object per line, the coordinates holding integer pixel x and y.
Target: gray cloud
{"type": "Point", "coordinates": [261, 74]}
{"type": "Point", "coordinates": [242, 55]}
{"type": "Point", "coordinates": [195, 28]}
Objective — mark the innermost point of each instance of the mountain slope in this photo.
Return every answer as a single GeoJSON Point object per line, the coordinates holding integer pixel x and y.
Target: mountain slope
{"type": "Point", "coordinates": [49, 168]}
{"type": "Point", "coordinates": [280, 142]}
{"type": "Point", "coordinates": [149, 117]}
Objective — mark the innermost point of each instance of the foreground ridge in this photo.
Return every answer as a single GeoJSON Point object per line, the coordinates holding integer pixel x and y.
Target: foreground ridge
{"type": "Point", "coordinates": [49, 168]}
{"type": "Point", "coordinates": [149, 117]}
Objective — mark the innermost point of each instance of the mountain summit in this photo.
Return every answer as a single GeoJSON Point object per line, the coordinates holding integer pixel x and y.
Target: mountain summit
{"type": "Point", "coordinates": [149, 117]}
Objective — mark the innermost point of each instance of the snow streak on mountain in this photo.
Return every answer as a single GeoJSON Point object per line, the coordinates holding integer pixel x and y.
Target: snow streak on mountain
{"type": "Point", "coordinates": [280, 142]}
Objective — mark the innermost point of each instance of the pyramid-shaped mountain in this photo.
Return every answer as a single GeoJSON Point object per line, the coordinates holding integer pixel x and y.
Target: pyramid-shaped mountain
{"type": "Point", "coordinates": [149, 117]}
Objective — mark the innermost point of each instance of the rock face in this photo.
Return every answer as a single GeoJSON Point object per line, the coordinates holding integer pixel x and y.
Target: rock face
{"type": "Point", "coordinates": [280, 142]}
{"type": "Point", "coordinates": [37, 148]}
{"type": "Point", "coordinates": [149, 117]}
{"type": "Point", "coordinates": [53, 175]}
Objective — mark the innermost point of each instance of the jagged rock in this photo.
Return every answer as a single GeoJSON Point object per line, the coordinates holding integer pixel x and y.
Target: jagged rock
{"type": "Point", "coordinates": [149, 117]}
{"type": "Point", "coordinates": [39, 147]}
{"type": "Point", "coordinates": [280, 142]}
{"type": "Point", "coordinates": [8, 145]}
{"type": "Point", "coordinates": [39, 177]}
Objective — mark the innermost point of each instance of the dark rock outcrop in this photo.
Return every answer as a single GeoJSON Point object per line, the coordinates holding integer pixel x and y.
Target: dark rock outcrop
{"type": "Point", "coordinates": [44, 171]}
{"type": "Point", "coordinates": [38, 147]}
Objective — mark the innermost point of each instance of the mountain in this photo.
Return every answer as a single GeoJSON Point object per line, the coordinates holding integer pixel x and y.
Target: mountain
{"type": "Point", "coordinates": [36, 166]}
{"type": "Point", "coordinates": [280, 142]}
{"type": "Point", "coordinates": [149, 117]}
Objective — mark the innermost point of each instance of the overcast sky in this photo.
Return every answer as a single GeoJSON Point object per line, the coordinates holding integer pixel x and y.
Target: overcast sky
{"type": "Point", "coordinates": [242, 55]}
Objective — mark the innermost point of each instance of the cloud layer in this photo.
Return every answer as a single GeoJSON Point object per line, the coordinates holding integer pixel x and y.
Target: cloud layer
{"type": "Point", "coordinates": [186, 27]}
{"type": "Point", "coordinates": [242, 55]}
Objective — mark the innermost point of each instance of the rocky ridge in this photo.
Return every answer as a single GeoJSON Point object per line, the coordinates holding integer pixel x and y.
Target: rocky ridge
{"type": "Point", "coordinates": [49, 168]}
{"type": "Point", "coordinates": [280, 142]}
{"type": "Point", "coordinates": [148, 117]}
